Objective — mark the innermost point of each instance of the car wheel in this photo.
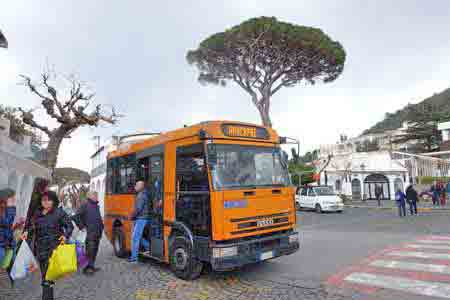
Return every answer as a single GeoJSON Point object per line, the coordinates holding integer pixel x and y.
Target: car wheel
{"type": "Point", "coordinates": [182, 261]}
{"type": "Point", "coordinates": [118, 242]}
{"type": "Point", "coordinates": [297, 206]}
{"type": "Point", "coordinates": [339, 211]}
{"type": "Point", "coordinates": [318, 208]}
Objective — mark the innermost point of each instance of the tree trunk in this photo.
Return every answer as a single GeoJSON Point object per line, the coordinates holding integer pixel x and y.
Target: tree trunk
{"type": "Point", "coordinates": [53, 146]}
{"type": "Point", "coordinates": [264, 110]}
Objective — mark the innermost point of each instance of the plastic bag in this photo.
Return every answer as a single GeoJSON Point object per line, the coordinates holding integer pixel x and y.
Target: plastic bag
{"type": "Point", "coordinates": [62, 262]}
{"type": "Point", "coordinates": [82, 259]}
{"type": "Point", "coordinates": [7, 259]}
{"type": "Point", "coordinates": [24, 264]}
{"type": "Point", "coordinates": [81, 236]}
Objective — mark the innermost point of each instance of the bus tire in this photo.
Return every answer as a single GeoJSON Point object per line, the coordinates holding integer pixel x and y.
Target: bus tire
{"type": "Point", "coordinates": [182, 261]}
{"type": "Point", "coordinates": [118, 242]}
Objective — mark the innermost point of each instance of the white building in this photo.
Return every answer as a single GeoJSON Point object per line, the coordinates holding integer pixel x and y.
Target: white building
{"type": "Point", "coordinates": [445, 128]}
{"type": "Point", "coordinates": [17, 170]}
{"type": "Point", "coordinates": [98, 175]}
{"type": "Point", "coordinates": [357, 174]}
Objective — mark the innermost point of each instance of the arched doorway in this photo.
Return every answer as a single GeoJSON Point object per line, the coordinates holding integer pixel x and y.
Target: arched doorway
{"type": "Point", "coordinates": [372, 181]}
{"type": "Point", "coordinates": [356, 189]}
{"type": "Point", "coordinates": [398, 184]}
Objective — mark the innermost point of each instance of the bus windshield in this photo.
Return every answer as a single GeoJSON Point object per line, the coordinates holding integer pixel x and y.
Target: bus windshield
{"type": "Point", "coordinates": [239, 166]}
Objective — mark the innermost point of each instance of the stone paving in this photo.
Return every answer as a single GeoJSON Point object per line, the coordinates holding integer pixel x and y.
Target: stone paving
{"type": "Point", "coordinates": [150, 281]}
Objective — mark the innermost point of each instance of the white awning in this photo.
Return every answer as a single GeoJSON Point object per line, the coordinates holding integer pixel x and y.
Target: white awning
{"type": "Point", "coordinates": [23, 165]}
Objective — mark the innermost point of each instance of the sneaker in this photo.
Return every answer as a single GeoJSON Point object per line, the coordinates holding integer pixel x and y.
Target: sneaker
{"type": "Point", "coordinates": [95, 269]}
{"type": "Point", "coordinates": [88, 271]}
{"type": "Point", "coordinates": [132, 260]}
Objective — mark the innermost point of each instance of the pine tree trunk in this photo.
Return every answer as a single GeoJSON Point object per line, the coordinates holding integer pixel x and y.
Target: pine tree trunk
{"type": "Point", "coordinates": [264, 110]}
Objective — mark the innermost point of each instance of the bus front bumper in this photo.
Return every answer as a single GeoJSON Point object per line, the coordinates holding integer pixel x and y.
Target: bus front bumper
{"type": "Point", "coordinates": [231, 256]}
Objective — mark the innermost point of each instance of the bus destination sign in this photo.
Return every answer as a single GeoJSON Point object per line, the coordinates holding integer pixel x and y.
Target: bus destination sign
{"type": "Point", "coordinates": [245, 131]}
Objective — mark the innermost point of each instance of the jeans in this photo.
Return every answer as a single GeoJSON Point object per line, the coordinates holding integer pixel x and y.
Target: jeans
{"type": "Point", "coordinates": [413, 207]}
{"type": "Point", "coordinates": [402, 210]}
{"type": "Point", "coordinates": [136, 239]}
{"type": "Point", "coordinates": [2, 253]}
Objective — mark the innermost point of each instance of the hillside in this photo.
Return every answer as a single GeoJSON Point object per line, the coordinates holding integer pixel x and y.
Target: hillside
{"type": "Point", "coordinates": [438, 102]}
{"type": "Point", "coordinates": [69, 174]}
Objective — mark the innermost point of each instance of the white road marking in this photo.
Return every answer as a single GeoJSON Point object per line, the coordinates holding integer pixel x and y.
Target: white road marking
{"type": "Point", "coordinates": [420, 254]}
{"type": "Point", "coordinates": [418, 287]}
{"type": "Point", "coordinates": [443, 242]}
{"type": "Point", "coordinates": [410, 266]}
{"type": "Point", "coordinates": [436, 247]}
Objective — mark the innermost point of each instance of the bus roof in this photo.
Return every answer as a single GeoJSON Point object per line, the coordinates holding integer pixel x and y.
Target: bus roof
{"type": "Point", "coordinates": [209, 129]}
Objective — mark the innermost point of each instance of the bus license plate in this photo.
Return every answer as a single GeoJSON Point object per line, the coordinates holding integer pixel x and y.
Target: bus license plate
{"type": "Point", "coordinates": [266, 255]}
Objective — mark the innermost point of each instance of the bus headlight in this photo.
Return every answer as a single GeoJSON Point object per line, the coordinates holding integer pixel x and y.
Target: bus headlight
{"type": "Point", "coordinates": [293, 238]}
{"type": "Point", "coordinates": [225, 252]}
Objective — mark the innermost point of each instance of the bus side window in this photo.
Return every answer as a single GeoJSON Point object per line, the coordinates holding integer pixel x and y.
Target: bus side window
{"type": "Point", "coordinates": [127, 174]}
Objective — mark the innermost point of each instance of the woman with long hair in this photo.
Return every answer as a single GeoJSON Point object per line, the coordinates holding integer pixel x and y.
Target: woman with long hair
{"type": "Point", "coordinates": [7, 215]}
{"type": "Point", "coordinates": [48, 227]}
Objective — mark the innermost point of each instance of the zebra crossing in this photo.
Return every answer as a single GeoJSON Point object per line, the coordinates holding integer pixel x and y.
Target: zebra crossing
{"type": "Point", "coordinates": [419, 269]}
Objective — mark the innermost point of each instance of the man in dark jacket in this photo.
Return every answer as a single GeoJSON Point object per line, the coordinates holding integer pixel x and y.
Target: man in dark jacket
{"type": "Point", "coordinates": [411, 197]}
{"type": "Point", "coordinates": [88, 217]}
{"type": "Point", "coordinates": [141, 216]}
{"type": "Point", "coordinates": [378, 193]}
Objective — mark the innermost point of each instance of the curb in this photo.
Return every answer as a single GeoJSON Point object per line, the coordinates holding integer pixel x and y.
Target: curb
{"type": "Point", "coordinates": [422, 209]}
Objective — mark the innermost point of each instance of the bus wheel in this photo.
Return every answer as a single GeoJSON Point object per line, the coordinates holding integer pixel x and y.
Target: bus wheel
{"type": "Point", "coordinates": [118, 241]}
{"type": "Point", "coordinates": [183, 263]}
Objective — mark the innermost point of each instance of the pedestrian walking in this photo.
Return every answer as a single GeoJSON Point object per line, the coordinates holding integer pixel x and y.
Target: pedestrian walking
{"type": "Point", "coordinates": [434, 194]}
{"type": "Point", "coordinates": [411, 197]}
{"type": "Point", "coordinates": [378, 193]}
{"type": "Point", "coordinates": [448, 190]}
{"type": "Point", "coordinates": [400, 199]}
{"type": "Point", "coordinates": [442, 192]}
{"type": "Point", "coordinates": [141, 216]}
{"type": "Point", "coordinates": [88, 218]}
{"type": "Point", "coordinates": [7, 215]}
{"type": "Point", "coordinates": [49, 226]}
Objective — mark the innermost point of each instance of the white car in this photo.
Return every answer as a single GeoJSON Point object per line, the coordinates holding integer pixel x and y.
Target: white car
{"type": "Point", "coordinates": [320, 198]}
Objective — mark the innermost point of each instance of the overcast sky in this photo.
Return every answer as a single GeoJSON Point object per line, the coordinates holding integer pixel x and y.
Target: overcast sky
{"type": "Point", "coordinates": [132, 53]}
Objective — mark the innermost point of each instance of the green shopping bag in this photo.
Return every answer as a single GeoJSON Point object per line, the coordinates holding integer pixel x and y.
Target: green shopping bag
{"type": "Point", "coordinates": [7, 259]}
{"type": "Point", "coordinates": [62, 262]}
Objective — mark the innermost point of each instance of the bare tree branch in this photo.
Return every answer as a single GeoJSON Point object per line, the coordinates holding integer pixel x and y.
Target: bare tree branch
{"type": "Point", "coordinates": [28, 118]}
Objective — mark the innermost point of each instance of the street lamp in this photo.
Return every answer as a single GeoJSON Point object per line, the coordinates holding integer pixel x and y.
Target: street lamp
{"type": "Point", "coordinates": [3, 41]}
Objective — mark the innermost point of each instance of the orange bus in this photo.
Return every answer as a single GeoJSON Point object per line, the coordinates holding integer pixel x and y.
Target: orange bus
{"type": "Point", "coordinates": [226, 197]}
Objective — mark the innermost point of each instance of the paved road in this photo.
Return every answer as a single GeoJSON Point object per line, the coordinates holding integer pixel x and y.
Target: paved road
{"type": "Point", "coordinates": [332, 244]}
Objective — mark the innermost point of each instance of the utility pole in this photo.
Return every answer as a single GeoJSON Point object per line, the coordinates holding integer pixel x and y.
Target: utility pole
{"type": "Point", "coordinates": [97, 138]}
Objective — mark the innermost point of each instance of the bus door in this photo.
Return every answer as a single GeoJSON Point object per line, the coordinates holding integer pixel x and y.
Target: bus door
{"type": "Point", "coordinates": [151, 163]}
{"type": "Point", "coordinates": [192, 190]}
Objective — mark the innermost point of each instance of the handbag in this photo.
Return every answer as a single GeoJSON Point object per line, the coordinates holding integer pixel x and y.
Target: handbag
{"type": "Point", "coordinates": [62, 262]}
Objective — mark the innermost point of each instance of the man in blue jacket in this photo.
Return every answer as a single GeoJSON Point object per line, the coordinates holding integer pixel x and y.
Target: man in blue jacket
{"type": "Point", "coordinates": [400, 199]}
{"type": "Point", "coordinates": [141, 216]}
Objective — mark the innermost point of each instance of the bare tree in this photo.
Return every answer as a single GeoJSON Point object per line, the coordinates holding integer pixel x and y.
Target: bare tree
{"type": "Point", "coordinates": [69, 111]}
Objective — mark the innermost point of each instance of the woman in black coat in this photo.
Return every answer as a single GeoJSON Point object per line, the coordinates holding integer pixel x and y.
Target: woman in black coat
{"type": "Point", "coordinates": [48, 227]}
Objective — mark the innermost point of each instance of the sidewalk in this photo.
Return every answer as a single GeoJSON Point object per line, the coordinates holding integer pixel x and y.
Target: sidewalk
{"type": "Point", "coordinates": [390, 204]}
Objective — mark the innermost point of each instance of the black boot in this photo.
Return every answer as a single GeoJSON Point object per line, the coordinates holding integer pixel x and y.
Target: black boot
{"type": "Point", "coordinates": [47, 291]}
